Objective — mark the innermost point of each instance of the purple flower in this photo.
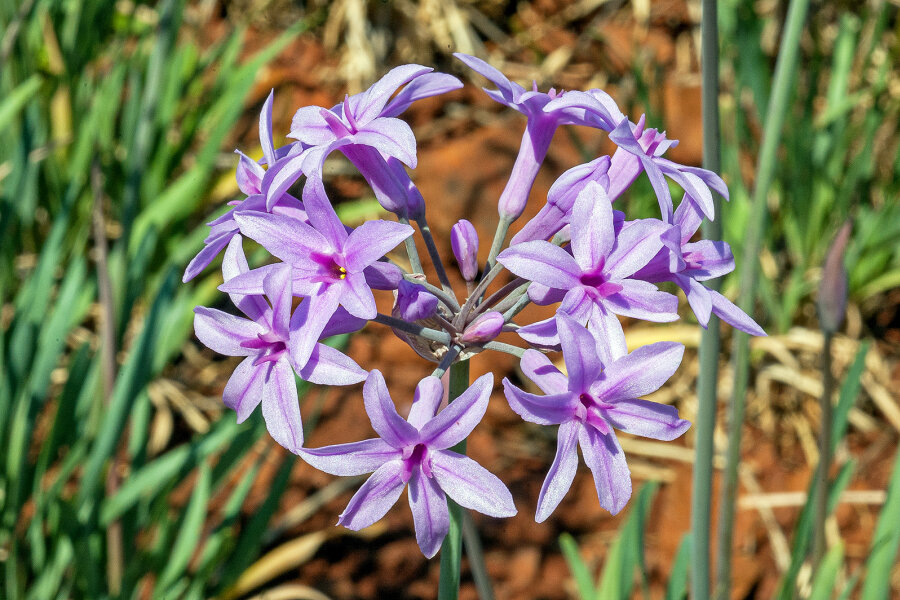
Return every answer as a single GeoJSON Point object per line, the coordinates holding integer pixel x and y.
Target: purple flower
{"type": "Point", "coordinates": [600, 393]}
{"type": "Point", "coordinates": [464, 241]}
{"type": "Point", "coordinates": [483, 329]}
{"type": "Point", "coordinates": [365, 128]}
{"type": "Point", "coordinates": [545, 111]}
{"type": "Point", "coordinates": [252, 180]}
{"type": "Point", "coordinates": [328, 263]}
{"type": "Point", "coordinates": [688, 263]}
{"type": "Point", "coordinates": [414, 302]}
{"type": "Point", "coordinates": [597, 277]}
{"type": "Point", "coordinates": [415, 451]}
{"type": "Point", "coordinates": [267, 338]}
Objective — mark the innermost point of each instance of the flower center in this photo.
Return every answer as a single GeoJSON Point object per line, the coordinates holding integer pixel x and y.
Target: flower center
{"type": "Point", "coordinates": [589, 413]}
{"type": "Point", "coordinates": [417, 456]}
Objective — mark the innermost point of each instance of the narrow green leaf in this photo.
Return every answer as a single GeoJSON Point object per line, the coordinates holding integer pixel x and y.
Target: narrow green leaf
{"type": "Point", "coordinates": [627, 551]}
{"type": "Point", "coordinates": [18, 99]}
{"type": "Point", "coordinates": [883, 555]}
{"type": "Point", "coordinates": [189, 533]}
{"type": "Point", "coordinates": [827, 573]}
{"type": "Point", "coordinates": [583, 580]}
{"type": "Point", "coordinates": [678, 576]}
{"type": "Point", "coordinates": [847, 397]}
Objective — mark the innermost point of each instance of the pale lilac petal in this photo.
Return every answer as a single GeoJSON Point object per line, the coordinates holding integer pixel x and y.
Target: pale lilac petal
{"type": "Point", "coordinates": [604, 457]}
{"type": "Point", "coordinates": [265, 130]}
{"type": "Point", "coordinates": [224, 333]}
{"type": "Point", "coordinates": [636, 245]}
{"type": "Point", "coordinates": [640, 373]}
{"type": "Point", "coordinates": [623, 171]}
{"type": "Point", "coordinates": [244, 389]}
{"type": "Point", "coordinates": [471, 485]}
{"type": "Point", "coordinates": [390, 188]}
{"type": "Point", "coordinates": [577, 304]}
{"type": "Point", "coordinates": [660, 187]}
{"type": "Point", "coordinates": [691, 184]}
{"type": "Point", "coordinates": [642, 300]}
{"type": "Point", "coordinates": [585, 108]}
{"type": "Point", "coordinates": [281, 176]}
{"type": "Point", "coordinates": [708, 259]}
{"type": "Point", "coordinates": [539, 369]}
{"type": "Point", "coordinates": [250, 283]}
{"type": "Point", "coordinates": [607, 330]}
{"type": "Point", "coordinates": [340, 322]}
{"type": "Point", "coordinates": [542, 262]}
{"type": "Point", "coordinates": [306, 334]}
{"type": "Point", "coordinates": [310, 127]}
{"type": "Point", "coordinates": [509, 91]}
{"type": "Point", "coordinates": [551, 409]}
{"type": "Point", "coordinates": [391, 137]}
{"type": "Point", "coordinates": [431, 517]}
{"type": "Point", "coordinates": [249, 175]}
{"type": "Point", "coordinates": [542, 295]}
{"type": "Point", "coordinates": [427, 399]}
{"type": "Point", "coordinates": [592, 227]}
{"type": "Point", "coordinates": [698, 297]}
{"type": "Point", "coordinates": [542, 334]}
{"type": "Point", "coordinates": [710, 178]}
{"type": "Point", "coordinates": [234, 263]}
{"type": "Point", "coordinates": [371, 241]}
{"type": "Point", "coordinates": [356, 296]}
{"type": "Point", "coordinates": [583, 366]}
{"type": "Point", "coordinates": [206, 256]}
{"type": "Point", "coordinates": [376, 496]}
{"type": "Point", "coordinates": [562, 471]}
{"type": "Point", "coordinates": [726, 310]}
{"type": "Point", "coordinates": [288, 239]}
{"type": "Point", "coordinates": [278, 289]}
{"type": "Point", "coordinates": [330, 366]}
{"type": "Point", "coordinates": [350, 459]}
{"type": "Point", "coordinates": [383, 276]}
{"type": "Point", "coordinates": [688, 217]}
{"type": "Point", "coordinates": [423, 86]}
{"type": "Point", "coordinates": [368, 105]}
{"type": "Point", "coordinates": [320, 211]}
{"type": "Point", "coordinates": [453, 424]}
{"type": "Point", "coordinates": [646, 419]}
{"type": "Point", "coordinates": [392, 428]}
{"type": "Point", "coordinates": [281, 407]}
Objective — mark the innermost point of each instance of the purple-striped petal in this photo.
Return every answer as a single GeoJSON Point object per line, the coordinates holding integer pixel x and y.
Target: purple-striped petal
{"type": "Point", "coordinates": [562, 471]}
{"type": "Point", "coordinates": [726, 310]}
{"type": "Point", "coordinates": [354, 458]}
{"type": "Point", "coordinates": [539, 369]}
{"type": "Point", "coordinates": [541, 334]}
{"type": "Point", "coordinates": [356, 296]}
{"type": "Point", "coordinates": [281, 407]}
{"type": "Point", "coordinates": [305, 334]}
{"type": "Point", "coordinates": [320, 211]}
{"type": "Point", "coordinates": [265, 130]}
{"type": "Point", "coordinates": [288, 239]}
{"type": "Point", "coordinates": [427, 399]}
{"type": "Point", "coordinates": [391, 137]}
{"type": "Point", "coordinates": [310, 127]}
{"type": "Point", "coordinates": [640, 373]}
{"type": "Point", "coordinates": [542, 262]}
{"type": "Point", "coordinates": [277, 286]}
{"type": "Point", "coordinates": [206, 256]}
{"type": "Point", "coordinates": [592, 227]}
{"type": "Point", "coordinates": [330, 366]}
{"type": "Point", "coordinates": [642, 300]}
{"type": "Point", "coordinates": [392, 428]}
{"type": "Point", "coordinates": [369, 105]}
{"type": "Point", "coordinates": [543, 410]}
{"type": "Point", "coordinates": [471, 485]}
{"type": "Point", "coordinates": [376, 496]}
{"type": "Point", "coordinates": [383, 276]}
{"type": "Point", "coordinates": [423, 86]}
{"type": "Point", "coordinates": [636, 245]}
{"type": "Point", "coordinates": [604, 457]}
{"type": "Point", "coordinates": [223, 332]}
{"type": "Point", "coordinates": [431, 516]}
{"type": "Point", "coordinates": [509, 91]}
{"type": "Point", "coordinates": [453, 424]}
{"type": "Point", "coordinates": [371, 241]}
{"type": "Point", "coordinates": [646, 419]}
{"type": "Point", "coordinates": [698, 297]}
{"type": "Point", "coordinates": [234, 263]}
{"type": "Point", "coordinates": [583, 367]}
{"type": "Point", "coordinates": [244, 389]}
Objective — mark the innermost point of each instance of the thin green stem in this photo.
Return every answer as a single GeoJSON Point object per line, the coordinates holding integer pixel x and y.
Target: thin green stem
{"type": "Point", "coordinates": [450, 301]}
{"type": "Point", "coordinates": [472, 300]}
{"type": "Point", "coordinates": [476, 558]}
{"type": "Point", "coordinates": [776, 112]}
{"type": "Point", "coordinates": [500, 294]}
{"type": "Point", "coordinates": [451, 549]}
{"type": "Point", "coordinates": [821, 487]}
{"type": "Point", "coordinates": [503, 347]}
{"type": "Point", "coordinates": [497, 243]}
{"type": "Point", "coordinates": [415, 263]}
{"type": "Point", "coordinates": [516, 308]}
{"type": "Point", "coordinates": [435, 256]}
{"type": "Point", "coordinates": [412, 328]}
{"type": "Point", "coordinates": [710, 343]}
{"type": "Point", "coordinates": [448, 359]}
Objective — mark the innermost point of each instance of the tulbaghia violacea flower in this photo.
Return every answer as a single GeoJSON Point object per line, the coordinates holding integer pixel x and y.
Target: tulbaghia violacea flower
{"type": "Point", "coordinates": [328, 263]}
{"type": "Point", "coordinates": [596, 278]}
{"type": "Point", "coordinates": [365, 129]}
{"type": "Point", "coordinates": [415, 451]}
{"type": "Point", "coordinates": [545, 111]}
{"type": "Point", "coordinates": [600, 393]}
{"type": "Point", "coordinates": [266, 338]}
{"type": "Point", "coordinates": [464, 242]}
{"type": "Point", "coordinates": [688, 263]}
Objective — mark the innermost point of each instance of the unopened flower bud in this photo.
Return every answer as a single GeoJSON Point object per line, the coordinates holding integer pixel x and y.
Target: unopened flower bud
{"type": "Point", "coordinates": [414, 302]}
{"type": "Point", "coordinates": [833, 289]}
{"type": "Point", "coordinates": [464, 240]}
{"type": "Point", "coordinates": [483, 329]}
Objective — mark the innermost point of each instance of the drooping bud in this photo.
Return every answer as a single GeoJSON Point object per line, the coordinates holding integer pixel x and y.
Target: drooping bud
{"type": "Point", "coordinates": [414, 302]}
{"type": "Point", "coordinates": [832, 302]}
{"type": "Point", "coordinates": [464, 240]}
{"type": "Point", "coordinates": [483, 329]}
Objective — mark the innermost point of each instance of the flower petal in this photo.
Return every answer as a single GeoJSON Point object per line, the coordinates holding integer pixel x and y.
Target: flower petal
{"type": "Point", "coordinates": [265, 130]}
{"type": "Point", "coordinates": [281, 407]}
{"type": "Point", "coordinates": [356, 296]}
{"type": "Point", "coordinates": [640, 373]}
{"type": "Point", "coordinates": [330, 366]}
{"type": "Point", "coordinates": [310, 127]}
{"type": "Point", "coordinates": [592, 227]}
{"type": "Point", "coordinates": [354, 458]}
{"type": "Point", "coordinates": [288, 239]}
{"type": "Point", "coordinates": [392, 428]}
{"type": "Point", "coordinates": [391, 137]}
{"type": "Point", "coordinates": [431, 515]}
{"type": "Point", "coordinates": [637, 243]}
{"type": "Point", "coordinates": [234, 263]}
{"type": "Point", "coordinates": [646, 419]}
{"type": "Point", "coordinates": [453, 424]}
{"type": "Point", "coordinates": [320, 211]}
{"type": "Point", "coordinates": [376, 496]}
{"type": "Point", "coordinates": [543, 410]}
{"type": "Point", "coordinates": [277, 285]}
{"type": "Point", "coordinates": [371, 241]}
{"type": "Point", "coordinates": [726, 310]}
{"type": "Point", "coordinates": [579, 349]}
{"type": "Point", "coordinates": [642, 300]}
{"type": "Point", "coordinates": [471, 485]}
{"type": "Point", "coordinates": [383, 276]}
{"type": "Point", "coordinates": [604, 457]}
{"type": "Point", "coordinates": [429, 393]}
{"type": "Point", "coordinates": [206, 256]}
{"type": "Point", "coordinates": [244, 389]}
{"type": "Point", "coordinates": [542, 262]}
{"type": "Point", "coordinates": [562, 471]}
{"type": "Point", "coordinates": [224, 333]}
{"type": "Point", "coordinates": [423, 86]}
{"type": "Point", "coordinates": [539, 369]}
{"type": "Point", "coordinates": [305, 334]}
{"type": "Point", "coordinates": [509, 91]}
{"type": "Point", "coordinates": [369, 105]}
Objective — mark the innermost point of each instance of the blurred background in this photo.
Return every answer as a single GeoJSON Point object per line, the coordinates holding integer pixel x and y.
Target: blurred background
{"type": "Point", "coordinates": [121, 473]}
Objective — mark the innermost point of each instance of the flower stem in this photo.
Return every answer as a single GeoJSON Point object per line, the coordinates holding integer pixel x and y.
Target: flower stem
{"type": "Point", "coordinates": [503, 347]}
{"type": "Point", "coordinates": [821, 488]}
{"type": "Point", "coordinates": [450, 301]}
{"type": "Point", "coordinates": [497, 244]}
{"type": "Point", "coordinates": [435, 255]}
{"type": "Point", "coordinates": [415, 264]}
{"type": "Point", "coordinates": [412, 328]}
{"type": "Point", "coordinates": [451, 549]}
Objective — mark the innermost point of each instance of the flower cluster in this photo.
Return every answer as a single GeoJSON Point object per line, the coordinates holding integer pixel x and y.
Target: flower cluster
{"type": "Point", "coordinates": [577, 252]}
